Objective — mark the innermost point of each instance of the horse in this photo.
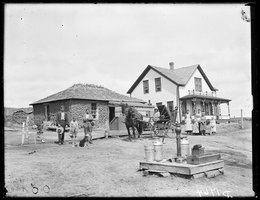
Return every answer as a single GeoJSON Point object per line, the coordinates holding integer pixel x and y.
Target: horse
{"type": "Point", "coordinates": [133, 119]}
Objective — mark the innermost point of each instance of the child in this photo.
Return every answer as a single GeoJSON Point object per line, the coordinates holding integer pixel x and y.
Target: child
{"type": "Point", "coordinates": [40, 131]}
{"type": "Point", "coordinates": [212, 126]}
{"type": "Point", "coordinates": [60, 130]}
{"type": "Point", "coordinates": [195, 127]}
{"type": "Point", "coordinates": [74, 127]}
{"type": "Point", "coordinates": [188, 124]}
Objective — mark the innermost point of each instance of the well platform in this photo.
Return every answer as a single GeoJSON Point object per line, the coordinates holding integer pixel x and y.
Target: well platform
{"type": "Point", "coordinates": [183, 168]}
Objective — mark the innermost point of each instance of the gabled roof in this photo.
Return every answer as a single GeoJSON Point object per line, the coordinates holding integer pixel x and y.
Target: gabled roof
{"type": "Point", "coordinates": [88, 92]}
{"type": "Point", "coordinates": [179, 76]}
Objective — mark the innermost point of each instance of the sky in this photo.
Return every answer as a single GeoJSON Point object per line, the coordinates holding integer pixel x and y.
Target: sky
{"type": "Point", "coordinates": [50, 47]}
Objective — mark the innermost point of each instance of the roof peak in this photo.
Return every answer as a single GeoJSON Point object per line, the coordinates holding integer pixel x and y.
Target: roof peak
{"type": "Point", "coordinates": [195, 65]}
{"type": "Point", "coordinates": [89, 92]}
{"type": "Point", "coordinates": [87, 85]}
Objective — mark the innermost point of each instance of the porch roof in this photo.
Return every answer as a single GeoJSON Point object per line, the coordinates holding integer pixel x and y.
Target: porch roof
{"type": "Point", "coordinates": [135, 104]}
{"type": "Point", "coordinates": [201, 97]}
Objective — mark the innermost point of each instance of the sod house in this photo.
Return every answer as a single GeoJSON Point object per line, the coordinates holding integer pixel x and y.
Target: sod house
{"type": "Point", "coordinates": [104, 104]}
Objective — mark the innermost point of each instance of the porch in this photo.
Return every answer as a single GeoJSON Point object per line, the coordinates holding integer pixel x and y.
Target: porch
{"type": "Point", "coordinates": [209, 103]}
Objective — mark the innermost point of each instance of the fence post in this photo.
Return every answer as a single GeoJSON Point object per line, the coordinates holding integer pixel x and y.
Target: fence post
{"type": "Point", "coordinates": [242, 124]}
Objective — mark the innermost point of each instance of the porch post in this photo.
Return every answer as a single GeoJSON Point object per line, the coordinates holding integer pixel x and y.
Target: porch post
{"type": "Point", "coordinates": [219, 110]}
{"type": "Point", "coordinates": [194, 106]}
{"type": "Point", "coordinates": [228, 110]}
{"type": "Point", "coordinates": [212, 106]}
{"type": "Point", "coordinates": [203, 104]}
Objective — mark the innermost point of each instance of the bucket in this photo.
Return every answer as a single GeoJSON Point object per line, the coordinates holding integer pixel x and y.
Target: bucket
{"type": "Point", "coordinates": [185, 147]}
{"type": "Point", "coordinates": [149, 153]}
{"type": "Point", "coordinates": [158, 151]}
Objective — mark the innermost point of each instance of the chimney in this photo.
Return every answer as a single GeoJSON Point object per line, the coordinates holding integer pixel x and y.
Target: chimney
{"type": "Point", "coordinates": [171, 65]}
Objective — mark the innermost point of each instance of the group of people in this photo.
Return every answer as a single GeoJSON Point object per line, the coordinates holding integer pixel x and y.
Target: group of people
{"type": "Point", "coordinates": [62, 122]}
{"type": "Point", "coordinates": [199, 124]}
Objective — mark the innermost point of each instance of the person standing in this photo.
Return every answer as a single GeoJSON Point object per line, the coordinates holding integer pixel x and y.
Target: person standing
{"type": "Point", "coordinates": [213, 126]}
{"type": "Point", "coordinates": [59, 131]}
{"type": "Point", "coordinates": [155, 117]}
{"type": "Point", "coordinates": [188, 124]}
{"type": "Point", "coordinates": [198, 117]}
{"type": "Point", "coordinates": [87, 124]}
{"type": "Point", "coordinates": [62, 120]}
{"type": "Point", "coordinates": [40, 131]}
{"type": "Point", "coordinates": [203, 124]}
{"type": "Point", "coordinates": [195, 127]}
{"type": "Point", "coordinates": [74, 127]}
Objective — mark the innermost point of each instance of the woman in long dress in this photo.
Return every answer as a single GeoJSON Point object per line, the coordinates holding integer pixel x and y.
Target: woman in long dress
{"type": "Point", "coordinates": [213, 126]}
{"type": "Point", "coordinates": [195, 127]}
{"type": "Point", "coordinates": [188, 124]}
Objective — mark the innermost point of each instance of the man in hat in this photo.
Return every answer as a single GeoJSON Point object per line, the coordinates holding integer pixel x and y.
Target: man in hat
{"type": "Point", "coordinates": [62, 120]}
{"type": "Point", "coordinates": [88, 123]}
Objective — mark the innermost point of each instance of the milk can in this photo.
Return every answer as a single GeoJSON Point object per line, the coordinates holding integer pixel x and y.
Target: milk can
{"type": "Point", "coordinates": [158, 151]}
{"type": "Point", "coordinates": [149, 153]}
{"type": "Point", "coordinates": [185, 147]}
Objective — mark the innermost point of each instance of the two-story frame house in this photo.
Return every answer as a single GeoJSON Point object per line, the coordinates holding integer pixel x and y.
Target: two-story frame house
{"type": "Point", "coordinates": [186, 87]}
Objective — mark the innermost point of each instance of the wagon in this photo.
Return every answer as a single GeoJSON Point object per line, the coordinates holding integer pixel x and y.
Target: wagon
{"type": "Point", "coordinates": [165, 126]}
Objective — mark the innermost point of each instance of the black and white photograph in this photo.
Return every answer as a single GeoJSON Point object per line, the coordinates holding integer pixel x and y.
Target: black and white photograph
{"type": "Point", "coordinates": [127, 100]}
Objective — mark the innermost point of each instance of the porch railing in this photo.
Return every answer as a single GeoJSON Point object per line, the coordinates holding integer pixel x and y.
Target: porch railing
{"type": "Point", "coordinates": [193, 92]}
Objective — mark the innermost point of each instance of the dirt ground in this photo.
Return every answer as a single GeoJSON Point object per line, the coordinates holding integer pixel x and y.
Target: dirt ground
{"type": "Point", "coordinates": [108, 167]}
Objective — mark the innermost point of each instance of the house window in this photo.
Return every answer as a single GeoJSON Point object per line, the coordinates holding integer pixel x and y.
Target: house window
{"type": "Point", "coordinates": [146, 86]}
{"type": "Point", "coordinates": [158, 84]}
{"type": "Point", "coordinates": [198, 85]}
{"type": "Point", "coordinates": [94, 110]}
{"type": "Point", "coordinates": [170, 105]}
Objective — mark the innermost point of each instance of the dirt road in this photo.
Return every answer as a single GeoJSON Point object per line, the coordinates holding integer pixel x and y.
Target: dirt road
{"type": "Point", "coordinates": [109, 167]}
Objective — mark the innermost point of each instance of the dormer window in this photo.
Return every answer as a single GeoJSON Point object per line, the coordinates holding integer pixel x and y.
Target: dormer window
{"type": "Point", "coordinates": [198, 84]}
{"type": "Point", "coordinates": [158, 86]}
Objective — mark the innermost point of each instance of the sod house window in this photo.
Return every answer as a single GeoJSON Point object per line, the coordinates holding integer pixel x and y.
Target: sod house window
{"type": "Point", "coordinates": [94, 110]}
{"type": "Point", "coordinates": [158, 86]}
{"type": "Point", "coordinates": [146, 86]}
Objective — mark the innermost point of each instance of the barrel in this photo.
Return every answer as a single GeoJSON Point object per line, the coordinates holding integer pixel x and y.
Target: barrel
{"type": "Point", "coordinates": [185, 147]}
{"type": "Point", "coordinates": [158, 151]}
{"type": "Point", "coordinates": [149, 153]}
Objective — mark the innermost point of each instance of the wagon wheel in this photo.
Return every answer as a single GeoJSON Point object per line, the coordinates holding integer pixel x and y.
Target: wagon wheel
{"type": "Point", "coordinates": [156, 132]}
{"type": "Point", "coordinates": [169, 129]}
